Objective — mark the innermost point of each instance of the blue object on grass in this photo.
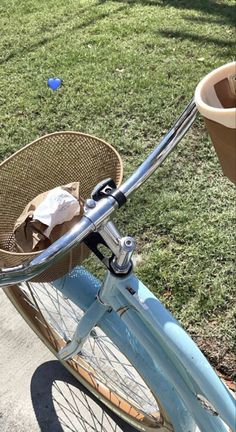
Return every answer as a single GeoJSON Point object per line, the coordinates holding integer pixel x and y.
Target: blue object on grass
{"type": "Point", "coordinates": [54, 83]}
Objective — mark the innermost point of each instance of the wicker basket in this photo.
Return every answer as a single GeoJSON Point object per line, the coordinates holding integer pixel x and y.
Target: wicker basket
{"type": "Point", "coordinates": [53, 160]}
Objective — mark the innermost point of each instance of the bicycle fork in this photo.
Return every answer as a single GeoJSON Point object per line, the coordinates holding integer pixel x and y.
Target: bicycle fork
{"type": "Point", "coordinates": [122, 248]}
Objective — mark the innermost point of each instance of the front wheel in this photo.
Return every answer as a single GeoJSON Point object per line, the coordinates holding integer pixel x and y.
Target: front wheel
{"type": "Point", "coordinates": [100, 367]}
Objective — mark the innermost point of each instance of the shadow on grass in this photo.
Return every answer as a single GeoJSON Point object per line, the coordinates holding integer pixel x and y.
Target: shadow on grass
{"type": "Point", "coordinates": [62, 404]}
{"type": "Point", "coordinates": [205, 20]}
{"type": "Point", "coordinates": [196, 38]}
{"type": "Point", "coordinates": [46, 39]}
{"type": "Point", "coordinates": [227, 13]}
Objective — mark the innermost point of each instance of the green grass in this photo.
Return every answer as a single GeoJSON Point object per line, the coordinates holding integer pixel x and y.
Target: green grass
{"type": "Point", "coordinates": [128, 70]}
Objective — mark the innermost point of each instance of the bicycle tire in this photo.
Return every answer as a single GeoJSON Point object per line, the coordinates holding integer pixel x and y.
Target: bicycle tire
{"type": "Point", "coordinates": [130, 407]}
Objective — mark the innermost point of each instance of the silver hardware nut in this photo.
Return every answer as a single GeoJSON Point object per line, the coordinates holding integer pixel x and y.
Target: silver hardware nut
{"type": "Point", "coordinates": [90, 203]}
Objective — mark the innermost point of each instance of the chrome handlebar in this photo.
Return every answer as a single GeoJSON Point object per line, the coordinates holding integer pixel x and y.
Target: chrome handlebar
{"type": "Point", "coordinates": [93, 218]}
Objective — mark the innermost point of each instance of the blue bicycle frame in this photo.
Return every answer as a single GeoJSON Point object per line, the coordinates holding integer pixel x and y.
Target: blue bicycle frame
{"type": "Point", "coordinates": [155, 343]}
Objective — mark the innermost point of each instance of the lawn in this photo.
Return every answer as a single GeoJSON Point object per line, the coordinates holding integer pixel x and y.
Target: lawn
{"type": "Point", "coordinates": [128, 69]}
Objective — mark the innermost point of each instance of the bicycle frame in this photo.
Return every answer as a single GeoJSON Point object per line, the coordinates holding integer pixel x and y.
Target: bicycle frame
{"type": "Point", "coordinates": [155, 343]}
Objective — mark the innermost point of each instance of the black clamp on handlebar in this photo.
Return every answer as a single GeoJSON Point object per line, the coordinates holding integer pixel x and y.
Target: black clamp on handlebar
{"type": "Point", "coordinates": [106, 188]}
{"type": "Point", "coordinates": [93, 241]}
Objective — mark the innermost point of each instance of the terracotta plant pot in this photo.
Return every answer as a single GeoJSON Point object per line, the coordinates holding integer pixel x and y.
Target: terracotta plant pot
{"type": "Point", "coordinates": [215, 98]}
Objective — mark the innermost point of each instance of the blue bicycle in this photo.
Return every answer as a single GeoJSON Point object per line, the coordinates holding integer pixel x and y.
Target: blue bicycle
{"type": "Point", "coordinates": [114, 335]}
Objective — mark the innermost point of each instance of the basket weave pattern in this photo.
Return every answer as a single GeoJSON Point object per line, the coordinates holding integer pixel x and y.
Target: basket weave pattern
{"type": "Point", "coordinates": [53, 160]}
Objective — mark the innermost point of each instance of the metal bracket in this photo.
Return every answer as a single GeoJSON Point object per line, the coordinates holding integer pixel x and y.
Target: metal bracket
{"type": "Point", "coordinates": [93, 241]}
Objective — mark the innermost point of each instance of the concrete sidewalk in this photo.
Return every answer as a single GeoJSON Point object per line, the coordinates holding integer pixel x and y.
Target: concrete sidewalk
{"type": "Point", "coordinates": [36, 392]}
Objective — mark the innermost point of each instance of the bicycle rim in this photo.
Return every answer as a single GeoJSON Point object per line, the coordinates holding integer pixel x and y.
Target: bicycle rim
{"type": "Point", "coordinates": [100, 366]}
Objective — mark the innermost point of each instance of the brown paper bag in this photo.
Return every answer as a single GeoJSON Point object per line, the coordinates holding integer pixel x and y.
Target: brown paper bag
{"type": "Point", "coordinates": [30, 235]}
